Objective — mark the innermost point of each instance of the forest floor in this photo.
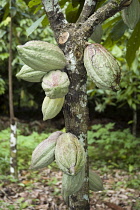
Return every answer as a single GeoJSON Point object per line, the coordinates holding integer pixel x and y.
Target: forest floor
{"type": "Point", "coordinates": [42, 190]}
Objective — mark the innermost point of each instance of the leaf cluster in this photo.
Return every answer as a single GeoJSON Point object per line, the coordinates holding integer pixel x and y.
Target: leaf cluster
{"type": "Point", "coordinates": [120, 149]}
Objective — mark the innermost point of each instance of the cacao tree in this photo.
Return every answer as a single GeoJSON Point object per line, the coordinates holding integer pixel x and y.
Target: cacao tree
{"type": "Point", "coordinates": [72, 36]}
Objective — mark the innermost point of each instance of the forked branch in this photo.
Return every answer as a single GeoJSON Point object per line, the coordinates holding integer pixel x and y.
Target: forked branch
{"type": "Point", "coordinates": [88, 9]}
{"type": "Point", "coordinates": [103, 13]}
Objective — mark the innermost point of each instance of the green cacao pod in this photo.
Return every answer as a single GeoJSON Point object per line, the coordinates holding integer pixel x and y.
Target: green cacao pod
{"type": "Point", "coordinates": [42, 56]}
{"type": "Point", "coordinates": [95, 182]}
{"type": "Point", "coordinates": [51, 107]}
{"type": "Point", "coordinates": [28, 74]}
{"type": "Point", "coordinates": [55, 84]}
{"type": "Point", "coordinates": [72, 184]}
{"type": "Point", "coordinates": [69, 154]}
{"type": "Point", "coordinates": [101, 67]}
{"type": "Point", "coordinates": [131, 14]}
{"type": "Point", "coordinates": [44, 153]}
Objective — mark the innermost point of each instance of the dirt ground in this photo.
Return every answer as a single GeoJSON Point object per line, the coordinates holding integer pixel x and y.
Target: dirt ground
{"type": "Point", "coordinates": [42, 190]}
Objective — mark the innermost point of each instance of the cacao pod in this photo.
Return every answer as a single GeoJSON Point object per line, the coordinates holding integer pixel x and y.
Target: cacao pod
{"type": "Point", "coordinates": [28, 74]}
{"type": "Point", "coordinates": [101, 67]}
{"type": "Point", "coordinates": [44, 153]}
{"type": "Point", "coordinates": [51, 107]}
{"type": "Point", "coordinates": [43, 56]}
{"type": "Point", "coordinates": [72, 184]}
{"type": "Point", "coordinates": [95, 182]}
{"type": "Point", "coordinates": [55, 84]}
{"type": "Point", "coordinates": [69, 154]}
{"type": "Point", "coordinates": [131, 14]}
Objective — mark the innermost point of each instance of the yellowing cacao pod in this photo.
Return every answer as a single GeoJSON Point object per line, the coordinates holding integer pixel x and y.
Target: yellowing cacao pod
{"type": "Point", "coordinates": [43, 56]}
{"type": "Point", "coordinates": [101, 67]}
{"type": "Point", "coordinates": [55, 84]}
{"type": "Point", "coordinates": [69, 154]}
{"type": "Point", "coordinates": [28, 74]}
{"type": "Point", "coordinates": [72, 184]}
{"type": "Point", "coordinates": [44, 153]}
{"type": "Point", "coordinates": [51, 107]}
{"type": "Point", "coordinates": [95, 182]}
{"type": "Point", "coordinates": [131, 14]}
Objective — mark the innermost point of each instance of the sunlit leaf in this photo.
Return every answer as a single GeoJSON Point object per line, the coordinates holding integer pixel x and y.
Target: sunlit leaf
{"type": "Point", "coordinates": [33, 3]}
{"type": "Point", "coordinates": [2, 32]}
{"type": "Point", "coordinates": [32, 28]}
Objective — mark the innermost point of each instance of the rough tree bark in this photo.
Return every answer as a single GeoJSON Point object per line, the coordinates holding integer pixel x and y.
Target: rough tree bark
{"type": "Point", "coordinates": [72, 38]}
{"type": "Point", "coordinates": [13, 126]}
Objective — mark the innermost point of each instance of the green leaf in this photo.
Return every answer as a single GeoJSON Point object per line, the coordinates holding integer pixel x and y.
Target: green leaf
{"type": "Point", "coordinates": [37, 9]}
{"type": "Point", "coordinates": [2, 33]}
{"type": "Point", "coordinates": [33, 3]}
{"type": "Point", "coordinates": [133, 44]}
{"type": "Point", "coordinates": [118, 30]}
{"type": "Point", "coordinates": [45, 22]}
{"type": "Point", "coordinates": [72, 13]}
{"type": "Point", "coordinates": [62, 3]}
{"type": "Point", "coordinates": [32, 28]}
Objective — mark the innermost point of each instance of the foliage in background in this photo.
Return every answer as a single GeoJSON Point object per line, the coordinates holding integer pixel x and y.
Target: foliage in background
{"type": "Point", "coordinates": [25, 147]}
{"type": "Point", "coordinates": [120, 149]}
{"type": "Point", "coordinates": [24, 93]}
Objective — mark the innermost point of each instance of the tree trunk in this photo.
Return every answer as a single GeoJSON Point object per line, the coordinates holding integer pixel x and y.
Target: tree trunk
{"type": "Point", "coordinates": [76, 112]}
{"type": "Point", "coordinates": [13, 126]}
{"type": "Point", "coordinates": [72, 38]}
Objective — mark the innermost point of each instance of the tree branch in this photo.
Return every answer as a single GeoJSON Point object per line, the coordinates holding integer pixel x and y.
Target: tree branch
{"type": "Point", "coordinates": [55, 15]}
{"type": "Point", "coordinates": [88, 9]}
{"type": "Point", "coordinates": [103, 13]}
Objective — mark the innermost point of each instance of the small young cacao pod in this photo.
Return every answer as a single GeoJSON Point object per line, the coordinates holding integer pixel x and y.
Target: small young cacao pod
{"type": "Point", "coordinates": [72, 184]}
{"type": "Point", "coordinates": [101, 67]}
{"type": "Point", "coordinates": [69, 154]}
{"type": "Point", "coordinates": [44, 153]}
{"type": "Point", "coordinates": [51, 107]}
{"type": "Point", "coordinates": [43, 56]}
{"type": "Point", "coordinates": [55, 84]}
{"type": "Point", "coordinates": [28, 74]}
{"type": "Point", "coordinates": [131, 14]}
{"type": "Point", "coordinates": [95, 182]}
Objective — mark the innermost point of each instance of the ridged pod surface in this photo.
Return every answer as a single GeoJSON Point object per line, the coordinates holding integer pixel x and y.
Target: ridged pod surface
{"type": "Point", "coordinates": [101, 67]}
{"type": "Point", "coordinates": [72, 184]}
{"type": "Point", "coordinates": [69, 154]}
{"type": "Point", "coordinates": [43, 56]}
{"type": "Point", "coordinates": [28, 74]}
{"type": "Point", "coordinates": [55, 84]}
{"type": "Point", "coordinates": [44, 153]}
{"type": "Point", "coordinates": [131, 14]}
{"type": "Point", "coordinates": [95, 182]}
{"type": "Point", "coordinates": [51, 107]}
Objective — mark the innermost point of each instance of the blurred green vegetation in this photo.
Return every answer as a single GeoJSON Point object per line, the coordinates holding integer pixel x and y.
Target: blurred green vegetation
{"type": "Point", "coordinates": [108, 149]}
{"type": "Point", "coordinates": [113, 148]}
